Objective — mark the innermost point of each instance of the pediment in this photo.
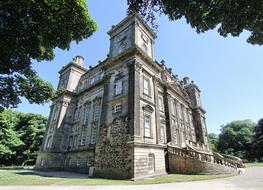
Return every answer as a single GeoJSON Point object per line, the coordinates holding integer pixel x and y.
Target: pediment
{"type": "Point", "coordinates": [148, 108]}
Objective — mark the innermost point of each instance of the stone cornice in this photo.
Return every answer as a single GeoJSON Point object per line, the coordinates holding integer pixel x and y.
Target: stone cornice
{"type": "Point", "coordinates": [74, 65]}
{"type": "Point", "coordinates": [133, 16]}
{"type": "Point", "coordinates": [199, 108]}
{"type": "Point", "coordinates": [96, 84]}
{"type": "Point", "coordinates": [169, 87]}
{"type": "Point", "coordinates": [141, 144]}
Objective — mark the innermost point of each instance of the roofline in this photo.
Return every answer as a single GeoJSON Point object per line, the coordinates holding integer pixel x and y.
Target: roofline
{"type": "Point", "coordinates": [136, 15]}
{"type": "Point", "coordinates": [72, 64]}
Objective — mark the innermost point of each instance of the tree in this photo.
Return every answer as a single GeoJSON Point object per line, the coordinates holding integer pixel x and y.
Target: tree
{"type": "Point", "coordinates": [31, 30]}
{"type": "Point", "coordinates": [258, 141]}
{"type": "Point", "coordinates": [30, 129]}
{"type": "Point", "coordinates": [230, 16]}
{"type": "Point", "coordinates": [9, 141]}
{"type": "Point", "coordinates": [236, 138]}
{"type": "Point", "coordinates": [20, 136]}
{"type": "Point", "coordinates": [213, 141]}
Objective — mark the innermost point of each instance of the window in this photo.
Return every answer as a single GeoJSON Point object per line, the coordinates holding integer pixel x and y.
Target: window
{"type": "Point", "coordinates": [91, 81]}
{"type": "Point", "coordinates": [70, 161]}
{"type": "Point", "coordinates": [174, 108]}
{"type": "Point", "coordinates": [78, 161]}
{"type": "Point", "coordinates": [118, 108]}
{"type": "Point", "coordinates": [160, 99]}
{"type": "Point", "coordinates": [75, 141]}
{"type": "Point", "coordinates": [147, 126]}
{"type": "Point", "coordinates": [185, 116]}
{"type": "Point", "coordinates": [146, 87]}
{"type": "Point", "coordinates": [145, 48]}
{"type": "Point", "coordinates": [178, 106]}
{"type": "Point", "coordinates": [93, 135]}
{"type": "Point", "coordinates": [86, 114]}
{"type": "Point", "coordinates": [63, 82]}
{"type": "Point", "coordinates": [176, 135]}
{"type": "Point", "coordinates": [173, 122]}
{"type": "Point", "coordinates": [198, 101]}
{"type": "Point", "coordinates": [49, 142]}
{"type": "Point", "coordinates": [162, 137]}
{"type": "Point", "coordinates": [145, 39]}
{"type": "Point", "coordinates": [203, 123]}
{"type": "Point", "coordinates": [86, 83]}
{"type": "Point", "coordinates": [122, 46]}
{"type": "Point", "coordinates": [118, 88]}
{"type": "Point", "coordinates": [97, 77]}
{"type": "Point", "coordinates": [151, 164]}
{"type": "Point", "coordinates": [83, 136]}
{"type": "Point", "coordinates": [83, 115]}
{"type": "Point", "coordinates": [42, 162]}
{"type": "Point", "coordinates": [88, 161]}
{"type": "Point", "coordinates": [96, 108]}
{"type": "Point", "coordinates": [79, 112]}
{"type": "Point", "coordinates": [70, 144]}
{"type": "Point", "coordinates": [55, 113]}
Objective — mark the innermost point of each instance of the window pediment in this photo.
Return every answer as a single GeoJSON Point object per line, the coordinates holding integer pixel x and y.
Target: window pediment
{"type": "Point", "coordinates": [148, 108]}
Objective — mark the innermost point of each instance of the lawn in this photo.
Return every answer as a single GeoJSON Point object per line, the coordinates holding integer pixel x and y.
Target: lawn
{"type": "Point", "coordinates": [254, 164]}
{"type": "Point", "coordinates": [31, 177]}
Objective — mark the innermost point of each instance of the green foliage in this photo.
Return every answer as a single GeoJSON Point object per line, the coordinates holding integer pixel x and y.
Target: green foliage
{"type": "Point", "coordinates": [20, 136]}
{"type": "Point", "coordinates": [231, 17]}
{"type": "Point", "coordinates": [213, 141]}
{"type": "Point", "coordinates": [29, 30]}
{"type": "Point", "coordinates": [236, 138]}
{"type": "Point", "coordinates": [257, 147]}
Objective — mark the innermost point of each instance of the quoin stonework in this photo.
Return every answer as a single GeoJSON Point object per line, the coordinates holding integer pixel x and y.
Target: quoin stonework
{"type": "Point", "coordinates": [129, 116]}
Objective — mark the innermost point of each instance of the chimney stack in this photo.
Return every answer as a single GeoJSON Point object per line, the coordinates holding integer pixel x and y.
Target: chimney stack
{"type": "Point", "coordinates": [79, 60]}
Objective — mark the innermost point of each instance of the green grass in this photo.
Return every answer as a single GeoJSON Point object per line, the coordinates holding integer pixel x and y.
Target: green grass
{"type": "Point", "coordinates": [253, 164]}
{"type": "Point", "coordinates": [30, 177]}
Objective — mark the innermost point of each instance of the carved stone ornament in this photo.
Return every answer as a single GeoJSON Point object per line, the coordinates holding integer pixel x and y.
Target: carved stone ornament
{"type": "Point", "coordinates": [138, 66]}
{"type": "Point", "coordinates": [65, 103]}
{"type": "Point", "coordinates": [156, 80]}
{"type": "Point", "coordinates": [148, 108]}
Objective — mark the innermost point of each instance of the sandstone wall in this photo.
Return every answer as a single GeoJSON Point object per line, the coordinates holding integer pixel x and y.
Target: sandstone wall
{"type": "Point", "coordinates": [51, 161]}
{"type": "Point", "coordinates": [141, 161]}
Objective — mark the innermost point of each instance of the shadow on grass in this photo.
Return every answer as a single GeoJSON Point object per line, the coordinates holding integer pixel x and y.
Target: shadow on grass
{"type": "Point", "coordinates": [33, 173]}
{"type": "Point", "coordinates": [52, 174]}
{"type": "Point", "coordinates": [14, 168]}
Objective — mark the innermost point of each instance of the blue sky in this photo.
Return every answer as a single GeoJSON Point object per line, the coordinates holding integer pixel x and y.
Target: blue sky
{"type": "Point", "coordinates": [227, 70]}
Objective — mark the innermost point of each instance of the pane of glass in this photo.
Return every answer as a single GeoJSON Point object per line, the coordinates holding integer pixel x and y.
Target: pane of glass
{"type": "Point", "coordinates": [147, 126]}
{"type": "Point", "coordinates": [146, 87]}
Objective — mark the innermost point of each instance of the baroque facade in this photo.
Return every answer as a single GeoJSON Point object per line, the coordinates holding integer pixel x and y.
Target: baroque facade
{"type": "Point", "coordinates": [119, 118]}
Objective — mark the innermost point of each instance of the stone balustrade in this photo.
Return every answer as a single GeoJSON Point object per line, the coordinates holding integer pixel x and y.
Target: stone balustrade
{"type": "Point", "coordinates": [216, 158]}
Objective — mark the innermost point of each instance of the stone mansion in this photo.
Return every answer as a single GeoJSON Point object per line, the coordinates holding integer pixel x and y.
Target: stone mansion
{"type": "Point", "coordinates": [129, 116]}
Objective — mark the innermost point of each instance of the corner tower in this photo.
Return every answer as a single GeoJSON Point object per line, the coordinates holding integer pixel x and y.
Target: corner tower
{"type": "Point", "coordinates": [132, 31]}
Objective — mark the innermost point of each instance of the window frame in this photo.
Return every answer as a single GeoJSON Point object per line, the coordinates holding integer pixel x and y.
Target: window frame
{"type": "Point", "coordinates": [151, 163]}
{"type": "Point", "coordinates": [160, 103]}
{"type": "Point", "coordinates": [78, 161]}
{"type": "Point", "coordinates": [149, 127]}
{"type": "Point", "coordinates": [96, 111]}
{"type": "Point", "coordinates": [118, 87]}
{"type": "Point", "coordinates": [162, 133]}
{"type": "Point", "coordinates": [93, 137]}
{"type": "Point", "coordinates": [118, 108]}
{"type": "Point", "coordinates": [146, 91]}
